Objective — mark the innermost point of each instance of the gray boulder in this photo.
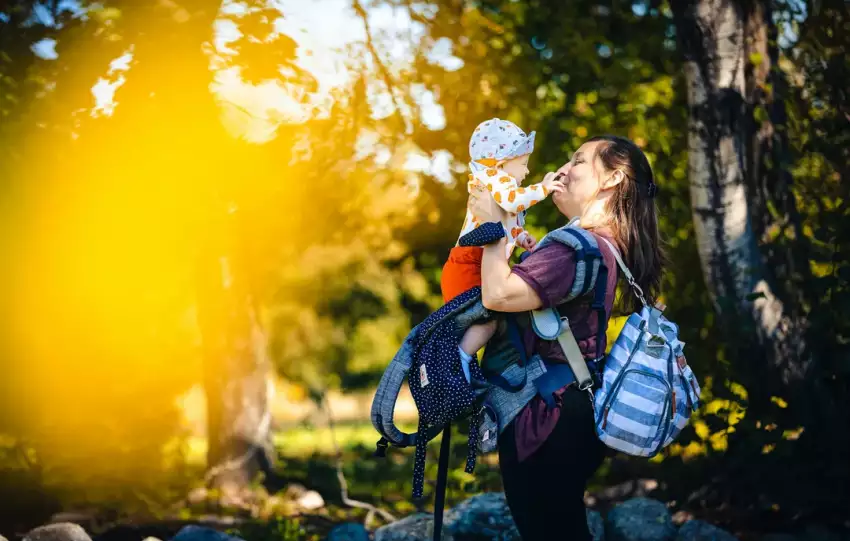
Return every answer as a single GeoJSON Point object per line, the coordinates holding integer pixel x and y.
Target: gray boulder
{"type": "Point", "coordinates": [350, 531]}
{"type": "Point", "coordinates": [418, 527]}
{"type": "Point", "coordinates": [697, 530]}
{"type": "Point", "coordinates": [484, 516]}
{"type": "Point", "coordinates": [61, 531]}
{"type": "Point", "coordinates": [201, 533]}
{"type": "Point", "coordinates": [640, 519]}
{"type": "Point", "coordinates": [481, 517]}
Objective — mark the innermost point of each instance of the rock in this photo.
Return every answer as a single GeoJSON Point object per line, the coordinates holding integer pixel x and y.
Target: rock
{"type": "Point", "coordinates": [295, 491]}
{"type": "Point", "coordinates": [697, 530]}
{"type": "Point", "coordinates": [61, 531]}
{"type": "Point", "coordinates": [779, 537]}
{"type": "Point", "coordinates": [817, 532]}
{"type": "Point", "coordinates": [484, 516]}
{"type": "Point", "coordinates": [596, 525]}
{"type": "Point", "coordinates": [640, 519]}
{"type": "Point", "coordinates": [201, 533]}
{"type": "Point", "coordinates": [636, 488]}
{"type": "Point", "coordinates": [310, 501]}
{"type": "Point", "coordinates": [349, 531]}
{"type": "Point", "coordinates": [418, 527]}
{"type": "Point", "coordinates": [681, 517]}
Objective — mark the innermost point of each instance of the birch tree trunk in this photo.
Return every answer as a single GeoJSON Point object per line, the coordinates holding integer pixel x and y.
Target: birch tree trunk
{"type": "Point", "coordinates": [728, 61]}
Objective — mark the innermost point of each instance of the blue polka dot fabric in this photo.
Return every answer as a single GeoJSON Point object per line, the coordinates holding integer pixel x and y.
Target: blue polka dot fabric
{"type": "Point", "coordinates": [482, 235]}
{"type": "Point", "coordinates": [437, 383]}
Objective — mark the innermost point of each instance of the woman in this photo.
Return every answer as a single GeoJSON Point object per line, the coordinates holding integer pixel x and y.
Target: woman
{"type": "Point", "coordinates": [547, 455]}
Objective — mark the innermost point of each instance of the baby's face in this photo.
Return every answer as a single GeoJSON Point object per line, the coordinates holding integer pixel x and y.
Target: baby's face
{"type": "Point", "coordinates": [517, 167]}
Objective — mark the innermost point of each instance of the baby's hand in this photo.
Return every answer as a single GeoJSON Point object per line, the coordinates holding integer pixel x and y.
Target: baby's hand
{"type": "Point", "coordinates": [527, 241]}
{"type": "Point", "coordinates": [552, 183]}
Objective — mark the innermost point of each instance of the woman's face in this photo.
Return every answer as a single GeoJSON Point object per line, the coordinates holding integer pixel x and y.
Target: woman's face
{"type": "Point", "coordinates": [581, 177]}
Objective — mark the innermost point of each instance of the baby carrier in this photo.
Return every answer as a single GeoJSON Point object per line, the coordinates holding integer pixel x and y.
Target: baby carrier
{"type": "Point", "coordinates": [643, 397]}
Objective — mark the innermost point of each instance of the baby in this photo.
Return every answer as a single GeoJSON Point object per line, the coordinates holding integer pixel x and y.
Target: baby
{"type": "Point", "coordinates": [499, 150]}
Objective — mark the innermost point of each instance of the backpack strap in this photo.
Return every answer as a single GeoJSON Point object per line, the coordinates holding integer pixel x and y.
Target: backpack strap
{"type": "Point", "coordinates": [588, 256]}
{"type": "Point", "coordinates": [442, 478]}
{"type": "Point", "coordinates": [482, 235]}
{"type": "Point", "coordinates": [383, 406]}
{"type": "Point", "coordinates": [565, 337]}
{"type": "Point", "coordinates": [513, 332]}
{"type": "Point", "coordinates": [631, 279]}
{"type": "Point", "coordinates": [591, 275]}
{"type": "Point", "coordinates": [598, 304]}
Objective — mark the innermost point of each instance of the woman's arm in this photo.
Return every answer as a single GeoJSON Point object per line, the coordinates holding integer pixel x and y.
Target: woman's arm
{"type": "Point", "coordinates": [501, 290]}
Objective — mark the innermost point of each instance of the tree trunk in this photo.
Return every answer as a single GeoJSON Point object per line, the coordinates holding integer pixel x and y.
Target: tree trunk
{"type": "Point", "coordinates": [754, 253]}
{"type": "Point", "coordinates": [727, 65]}
{"type": "Point", "coordinates": [236, 370]}
{"type": "Point", "coordinates": [189, 153]}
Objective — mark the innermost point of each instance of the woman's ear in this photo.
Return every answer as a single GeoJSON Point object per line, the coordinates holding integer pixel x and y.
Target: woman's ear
{"type": "Point", "coordinates": [615, 178]}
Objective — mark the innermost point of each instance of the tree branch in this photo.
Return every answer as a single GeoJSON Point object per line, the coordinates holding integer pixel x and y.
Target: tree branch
{"type": "Point", "coordinates": [370, 45]}
{"type": "Point", "coordinates": [341, 477]}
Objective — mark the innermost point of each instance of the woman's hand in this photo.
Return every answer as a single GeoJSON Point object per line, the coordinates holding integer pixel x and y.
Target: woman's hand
{"type": "Point", "coordinates": [482, 206]}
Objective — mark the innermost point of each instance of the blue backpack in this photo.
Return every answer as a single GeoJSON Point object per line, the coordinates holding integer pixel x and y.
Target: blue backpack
{"type": "Point", "coordinates": [648, 391]}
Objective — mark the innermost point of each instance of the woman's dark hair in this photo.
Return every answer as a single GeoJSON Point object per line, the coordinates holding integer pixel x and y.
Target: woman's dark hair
{"type": "Point", "coordinates": [635, 224]}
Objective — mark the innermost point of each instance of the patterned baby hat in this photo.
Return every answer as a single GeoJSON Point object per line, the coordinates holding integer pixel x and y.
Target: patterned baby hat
{"type": "Point", "coordinates": [500, 140]}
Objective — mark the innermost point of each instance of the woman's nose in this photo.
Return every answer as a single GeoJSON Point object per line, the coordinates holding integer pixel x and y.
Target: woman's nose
{"type": "Point", "coordinates": [565, 169]}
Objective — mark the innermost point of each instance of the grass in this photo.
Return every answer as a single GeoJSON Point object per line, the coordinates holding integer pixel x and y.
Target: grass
{"type": "Point", "coordinates": [306, 456]}
{"type": "Point", "coordinates": [305, 441]}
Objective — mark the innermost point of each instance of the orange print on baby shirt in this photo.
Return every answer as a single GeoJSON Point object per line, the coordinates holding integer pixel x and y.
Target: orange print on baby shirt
{"type": "Point", "coordinates": [491, 172]}
{"type": "Point", "coordinates": [489, 187]}
{"type": "Point", "coordinates": [520, 190]}
{"type": "Point", "coordinates": [504, 179]}
{"type": "Point", "coordinates": [498, 197]}
{"type": "Point", "coordinates": [533, 203]}
{"type": "Point", "coordinates": [520, 208]}
{"type": "Point", "coordinates": [511, 196]}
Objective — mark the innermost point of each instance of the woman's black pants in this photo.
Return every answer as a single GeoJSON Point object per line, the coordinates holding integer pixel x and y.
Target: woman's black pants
{"type": "Point", "coordinates": [545, 492]}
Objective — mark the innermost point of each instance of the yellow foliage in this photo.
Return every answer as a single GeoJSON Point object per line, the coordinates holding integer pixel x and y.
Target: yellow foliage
{"type": "Point", "coordinates": [793, 434]}
{"type": "Point", "coordinates": [779, 402]}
